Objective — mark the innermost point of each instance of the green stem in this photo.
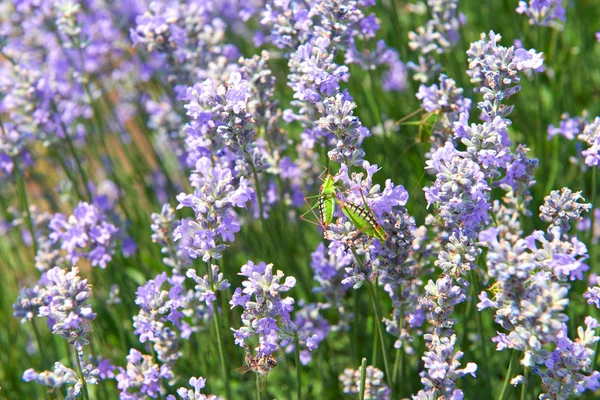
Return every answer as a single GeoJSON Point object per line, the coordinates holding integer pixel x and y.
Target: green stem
{"type": "Point", "coordinates": [375, 343]}
{"type": "Point", "coordinates": [80, 372]}
{"type": "Point", "coordinates": [25, 203]}
{"type": "Point", "coordinates": [96, 361]}
{"type": "Point", "coordinates": [258, 392]}
{"type": "Point", "coordinates": [377, 311]}
{"type": "Point", "coordinates": [80, 169]}
{"type": "Point", "coordinates": [68, 173]}
{"type": "Point", "coordinates": [363, 379]}
{"type": "Point", "coordinates": [524, 384]}
{"type": "Point", "coordinates": [509, 374]}
{"type": "Point", "coordinates": [298, 370]}
{"type": "Point", "coordinates": [399, 360]}
{"type": "Point", "coordinates": [258, 189]}
{"type": "Point", "coordinates": [38, 337]}
{"type": "Point", "coordinates": [220, 340]}
{"type": "Point", "coordinates": [355, 331]}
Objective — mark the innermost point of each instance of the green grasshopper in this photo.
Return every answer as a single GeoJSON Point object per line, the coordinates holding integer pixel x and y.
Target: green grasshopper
{"type": "Point", "coordinates": [360, 216]}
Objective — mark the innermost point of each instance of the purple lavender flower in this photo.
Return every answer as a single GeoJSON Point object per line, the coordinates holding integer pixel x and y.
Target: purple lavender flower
{"type": "Point", "coordinates": [442, 364]}
{"type": "Point", "coordinates": [338, 120]}
{"type": "Point", "coordinates": [266, 313]}
{"type": "Point", "coordinates": [193, 394]}
{"type": "Point", "coordinates": [375, 387]}
{"type": "Point", "coordinates": [163, 227]}
{"type": "Point", "coordinates": [142, 377]}
{"type": "Point", "coordinates": [86, 233]}
{"type": "Point", "coordinates": [160, 310]}
{"type": "Point", "coordinates": [562, 209]}
{"type": "Point", "coordinates": [62, 376]}
{"type": "Point", "coordinates": [592, 294]}
{"type": "Point", "coordinates": [543, 12]}
{"type": "Point", "coordinates": [310, 327]}
{"type": "Point", "coordinates": [189, 37]}
{"type": "Point", "coordinates": [569, 364]}
{"type": "Point", "coordinates": [448, 102]}
{"type": "Point", "coordinates": [67, 310]}
{"type": "Point", "coordinates": [29, 302]}
{"type": "Point", "coordinates": [495, 70]}
{"type": "Point", "coordinates": [439, 35]}
{"type": "Point", "coordinates": [591, 136]}
{"type": "Point", "coordinates": [460, 191]}
{"type": "Point", "coordinates": [313, 72]}
{"type": "Point", "coordinates": [207, 287]}
{"type": "Point", "coordinates": [568, 127]}
{"type": "Point", "coordinates": [213, 200]}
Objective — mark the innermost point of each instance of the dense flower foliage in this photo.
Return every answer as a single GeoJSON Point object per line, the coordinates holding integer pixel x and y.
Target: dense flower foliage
{"type": "Point", "coordinates": [150, 148]}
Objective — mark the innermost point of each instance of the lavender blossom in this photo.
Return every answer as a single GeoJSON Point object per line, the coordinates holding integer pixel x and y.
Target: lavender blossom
{"type": "Point", "coordinates": [67, 310]}
{"type": "Point", "coordinates": [189, 36]}
{"type": "Point", "coordinates": [142, 377]}
{"type": "Point", "coordinates": [338, 120]}
{"type": "Point", "coordinates": [592, 294]}
{"type": "Point", "coordinates": [591, 136]}
{"type": "Point", "coordinates": [439, 35]}
{"type": "Point", "coordinates": [62, 376]}
{"type": "Point", "coordinates": [448, 102]}
{"type": "Point", "coordinates": [442, 369]}
{"type": "Point", "coordinates": [266, 313]}
{"type": "Point", "coordinates": [163, 227]}
{"type": "Point", "coordinates": [29, 302]}
{"type": "Point", "coordinates": [375, 387]}
{"type": "Point", "coordinates": [86, 234]}
{"type": "Point", "coordinates": [570, 363]}
{"type": "Point", "coordinates": [543, 12]}
{"type": "Point", "coordinates": [562, 210]}
{"type": "Point", "coordinates": [214, 197]}
{"type": "Point", "coordinates": [460, 191]}
{"type": "Point", "coordinates": [193, 394]}
{"type": "Point", "coordinates": [160, 311]}
{"type": "Point", "coordinates": [310, 327]}
{"type": "Point", "coordinates": [495, 70]}
{"type": "Point", "coordinates": [568, 127]}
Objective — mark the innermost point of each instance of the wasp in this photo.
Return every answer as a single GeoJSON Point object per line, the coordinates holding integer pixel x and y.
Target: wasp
{"type": "Point", "coordinates": [261, 365]}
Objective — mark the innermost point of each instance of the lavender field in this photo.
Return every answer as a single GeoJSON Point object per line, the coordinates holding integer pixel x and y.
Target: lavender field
{"type": "Point", "coordinates": [299, 199]}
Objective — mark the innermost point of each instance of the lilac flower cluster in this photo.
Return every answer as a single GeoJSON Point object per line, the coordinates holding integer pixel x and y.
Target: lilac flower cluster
{"type": "Point", "coordinates": [215, 195]}
{"type": "Point", "coordinates": [66, 306]}
{"type": "Point", "coordinates": [141, 378]}
{"type": "Point", "coordinates": [311, 328]}
{"type": "Point", "coordinates": [188, 394]}
{"type": "Point", "coordinates": [591, 136]}
{"type": "Point", "coordinates": [448, 103]}
{"type": "Point", "coordinates": [531, 296]}
{"type": "Point", "coordinates": [461, 195]}
{"type": "Point", "coordinates": [266, 313]}
{"type": "Point", "coordinates": [544, 12]}
{"type": "Point", "coordinates": [163, 225]}
{"type": "Point", "coordinates": [568, 127]}
{"type": "Point", "coordinates": [329, 269]}
{"type": "Point", "coordinates": [439, 35]}
{"type": "Point", "coordinates": [160, 309]}
{"type": "Point", "coordinates": [62, 376]}
{"type": "Point", "coordinates": [494, 69]}
{"type": "Point", "coordinates": [375, 387]}
{"type": "Point", "coordinates": [586, 131]}
{"type": "Point", "coordinates": [319, 31]}
{"type": "Point", "coordinates": [189, 35]}
{"type": "Point", "coordinates": [86, 234]}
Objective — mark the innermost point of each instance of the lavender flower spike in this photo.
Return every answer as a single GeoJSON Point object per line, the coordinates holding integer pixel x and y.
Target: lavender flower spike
{"type": "Point", "coordinates": [266, 313]}
{"type": "Point", "coordinates": [67, 310]}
